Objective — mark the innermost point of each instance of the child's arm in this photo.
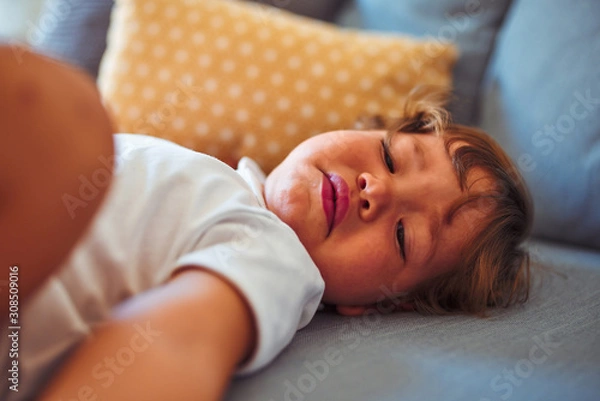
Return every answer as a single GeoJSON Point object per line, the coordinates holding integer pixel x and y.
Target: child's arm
{"type": "Point", "coordinates": [180, 341]}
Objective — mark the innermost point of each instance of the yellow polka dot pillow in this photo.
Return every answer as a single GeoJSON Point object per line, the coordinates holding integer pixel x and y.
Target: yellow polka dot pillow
{"type": "Point", "coordinates": [235, 79]}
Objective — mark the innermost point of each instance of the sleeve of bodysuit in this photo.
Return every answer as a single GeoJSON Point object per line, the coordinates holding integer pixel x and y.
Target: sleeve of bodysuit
{"type": "Point", "coordinates": [265, 260]}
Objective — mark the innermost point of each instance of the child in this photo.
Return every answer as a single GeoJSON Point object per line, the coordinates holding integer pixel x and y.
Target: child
{"type": "Point", "coordinates": [191, 271]}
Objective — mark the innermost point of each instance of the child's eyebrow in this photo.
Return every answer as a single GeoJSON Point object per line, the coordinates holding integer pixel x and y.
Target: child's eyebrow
{"type": "Point", "coordinates": [456, 167]}
{"type": "Point", "coordinates": [418, 149]}
{"type": "Point", "coordinates": [388, 138]}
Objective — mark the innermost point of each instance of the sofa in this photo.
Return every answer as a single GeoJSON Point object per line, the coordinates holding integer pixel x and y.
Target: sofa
{"type": "Point", "coordinates": [527, 73]}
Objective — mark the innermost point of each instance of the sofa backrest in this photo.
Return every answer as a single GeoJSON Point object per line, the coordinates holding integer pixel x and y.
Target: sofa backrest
{"type": "Point", "coordinates": [541, 100]}
{"type": "Point", "coordinates": [542, 103]}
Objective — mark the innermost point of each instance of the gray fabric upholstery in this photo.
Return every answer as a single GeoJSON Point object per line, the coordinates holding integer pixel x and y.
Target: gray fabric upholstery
{"type": "Point", "coordinates": [543, 106]}
{"type": "Point", "coordinates": [320, 9]}
{"type": "Point", "coordinates": [471, 25]}
{"type": "Point", "coordinates": [547, 350]}
{"type": "Point", "coordinates": [77, 29]}
{"type": "Point", "coordinates": [79, 34]}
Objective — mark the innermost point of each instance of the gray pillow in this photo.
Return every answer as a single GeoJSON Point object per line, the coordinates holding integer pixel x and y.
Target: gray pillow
{"type": "Point", "coordinates": [77, 29]}
{"type": "Point", "coordinates": [471, 24]}
{"type": "Point", "coordinates": [77, 32]}
{"type": "Point", "coordinates": [544, 108]}
{"type": "Point", "coordinates": [318, 9]}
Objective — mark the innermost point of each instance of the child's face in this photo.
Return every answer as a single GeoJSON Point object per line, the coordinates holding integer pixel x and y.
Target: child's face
{"type": "Point", "coordinates": [388, 225]}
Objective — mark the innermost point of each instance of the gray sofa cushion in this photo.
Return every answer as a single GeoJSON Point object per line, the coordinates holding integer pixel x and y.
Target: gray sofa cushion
{"type": "Point", "coordinates": [320, 9]}
{"type": "Point", "coordinates": [547, 350]}
{"type": "Point", "coordinates": [472, 25]}
{"type": "Point", "coordinates": [543, 105]}
{"type": "Point", "coordinates": [77, 33]}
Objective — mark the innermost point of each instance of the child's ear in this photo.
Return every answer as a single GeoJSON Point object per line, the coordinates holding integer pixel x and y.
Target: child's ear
{"type": "Point", "coordinates": [350, 310]}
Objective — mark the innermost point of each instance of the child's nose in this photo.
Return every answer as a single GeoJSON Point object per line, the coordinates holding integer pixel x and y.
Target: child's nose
{"type": "Point", "coordinates": [374, 196]}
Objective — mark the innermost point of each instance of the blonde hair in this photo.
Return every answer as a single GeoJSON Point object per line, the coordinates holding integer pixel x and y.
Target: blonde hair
{"type": "Point", "coordinates": [494, 268]}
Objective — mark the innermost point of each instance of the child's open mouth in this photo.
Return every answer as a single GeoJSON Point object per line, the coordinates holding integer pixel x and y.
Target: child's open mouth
{"type": "Point", "coordinates": [334, 193]}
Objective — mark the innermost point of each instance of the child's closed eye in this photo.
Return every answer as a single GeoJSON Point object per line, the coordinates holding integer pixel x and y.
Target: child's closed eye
{"type": "Point", "coordinates": [387, 158]}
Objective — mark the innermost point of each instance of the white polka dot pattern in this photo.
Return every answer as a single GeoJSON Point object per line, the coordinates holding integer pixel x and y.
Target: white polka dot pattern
{"type": "Point", "coordinates": [238, 79]}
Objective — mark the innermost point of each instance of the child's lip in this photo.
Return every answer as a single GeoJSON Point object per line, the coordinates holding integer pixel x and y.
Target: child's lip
{"type": "Point", "coordinates": [328, 200]}
{"type": "Point", "coordinates": [334, 193]}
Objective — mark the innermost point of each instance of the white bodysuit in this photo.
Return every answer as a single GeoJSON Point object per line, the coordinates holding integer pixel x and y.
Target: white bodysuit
{"type": "Point", "coordinates": [168, 207]}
